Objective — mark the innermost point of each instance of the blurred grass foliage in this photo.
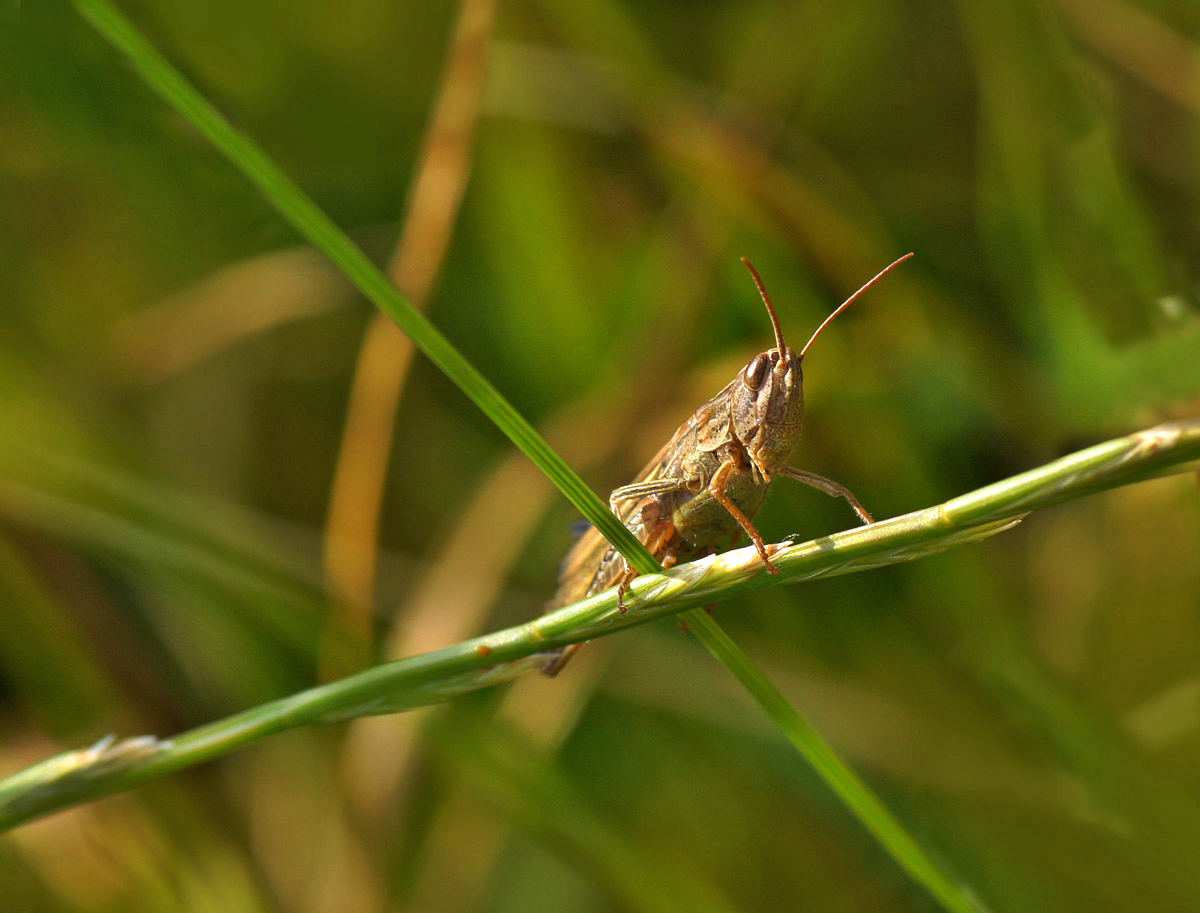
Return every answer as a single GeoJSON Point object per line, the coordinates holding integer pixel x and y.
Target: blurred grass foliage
{"type": "Point", "coordinates": [174, 376]}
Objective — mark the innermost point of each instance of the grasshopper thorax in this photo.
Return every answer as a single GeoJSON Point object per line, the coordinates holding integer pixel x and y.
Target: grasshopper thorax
{"type": "Point", "coordinates": [768, 409]}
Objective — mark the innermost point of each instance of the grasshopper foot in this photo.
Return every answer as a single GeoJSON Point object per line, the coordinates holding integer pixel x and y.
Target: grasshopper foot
{"type": "Point", "coordinates": [623, 588]}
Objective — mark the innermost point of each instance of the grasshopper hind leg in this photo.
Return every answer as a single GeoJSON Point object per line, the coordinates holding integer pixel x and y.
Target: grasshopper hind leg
{"type": "Point", "coordinates": [666, 555]}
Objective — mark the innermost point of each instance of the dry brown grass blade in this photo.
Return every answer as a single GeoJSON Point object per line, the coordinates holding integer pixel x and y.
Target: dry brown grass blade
{"type": "Point", "coordinates": [352, 524]}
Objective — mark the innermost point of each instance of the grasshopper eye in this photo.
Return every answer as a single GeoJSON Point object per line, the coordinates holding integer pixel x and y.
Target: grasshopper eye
{"type": "Point", "coordinates": [756, 371]}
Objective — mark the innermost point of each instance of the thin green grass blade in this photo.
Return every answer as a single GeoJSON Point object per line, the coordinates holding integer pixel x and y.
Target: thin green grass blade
{"type": "Point", "coordinates": [304, 215]}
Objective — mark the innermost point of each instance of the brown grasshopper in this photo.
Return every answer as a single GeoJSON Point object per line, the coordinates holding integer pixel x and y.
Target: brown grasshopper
{"type": "Point", "coordinates": [702, 488]}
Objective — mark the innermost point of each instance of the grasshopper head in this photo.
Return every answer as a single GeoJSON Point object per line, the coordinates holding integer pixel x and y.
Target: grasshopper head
{"type": "Point", "coordinates": [768, 408]}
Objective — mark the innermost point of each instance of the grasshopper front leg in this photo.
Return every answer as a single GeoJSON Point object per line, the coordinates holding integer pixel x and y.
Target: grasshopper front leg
{"type": "Point", "coordinates": [716, 487]}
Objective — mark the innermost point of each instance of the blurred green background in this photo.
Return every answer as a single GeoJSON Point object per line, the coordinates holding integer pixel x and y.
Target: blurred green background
{"type": "Point", "coordinates": [198, 450]}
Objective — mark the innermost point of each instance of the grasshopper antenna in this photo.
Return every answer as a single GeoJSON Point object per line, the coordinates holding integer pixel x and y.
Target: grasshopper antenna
{"type": "Point", "coordinates": [762, 290]}
{"type": "Point", "coordinates": [849, 301]}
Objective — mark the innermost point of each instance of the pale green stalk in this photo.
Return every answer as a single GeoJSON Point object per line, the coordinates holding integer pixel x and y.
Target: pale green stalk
{"type": "Point", "coordinates": [109, 767]}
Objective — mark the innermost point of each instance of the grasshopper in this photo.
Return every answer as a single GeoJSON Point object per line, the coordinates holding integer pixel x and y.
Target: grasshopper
{"type": "Point", "coordinates": [702, 489]}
